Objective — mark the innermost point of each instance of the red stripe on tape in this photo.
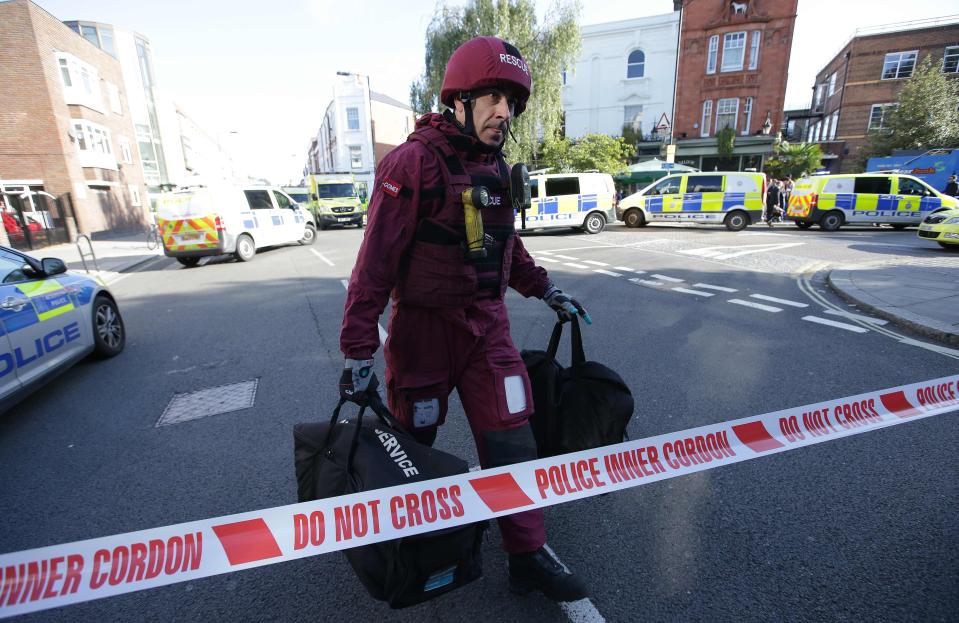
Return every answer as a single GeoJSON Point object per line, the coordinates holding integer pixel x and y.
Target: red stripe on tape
{"type": "Point", "coordinates": [500, 492]}
{"type": "Point", "coordinates": [896, 403]}
{"type": "Point", "coordinates": [755, 435]}
{"type": "Point", "coordinates": [247, 541]}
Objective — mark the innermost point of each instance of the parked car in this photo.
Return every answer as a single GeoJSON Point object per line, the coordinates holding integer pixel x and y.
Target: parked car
{"type": "Point", "coordinates": [49, 320]}
{"type": "Point", "coordinates": [942, 227]}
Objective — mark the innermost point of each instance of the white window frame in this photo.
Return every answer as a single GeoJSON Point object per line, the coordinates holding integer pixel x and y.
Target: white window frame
{"type": "Point", "coordinates": [114, 93]}
{"type": "Point", "coordinates": [707, 118]}
{"type": "Point", "coordinates": [754, 49]}
{"type": "Point", "coordinates": [810, 131]}
{"type": "Point", "coordinates": [748, 114]}
{"type": "Point", "coordinates": [641, 65]}
{"type": "Point", "coordinates": [954, 53]}
{"type": "Point", "coordinates": [712, 54]}
{"type": "Point", "coordinates": [882, 115]}
{"type": "Point", "coordinates": [84, 82]}
{"type": "Point", "coordinates": [827, 120]}
{"type": "Point", "coordinates": [348, 120]}
{"type": "Point", "coordinates": [135, 195]}
{"type": "Point", "coordinates": [94, 145]}
{"type": "Point", "coordinates": [731, 111]}
{"type": "Point", "coordinates": [832, 85]}
{"type": "Point", "coordinates": [835, 124]}
{"type": "Point", "coordinates": [820, 94]}
{"type": "Point", "coordinates": [126, 154]}
{"type": "Point", "coordinates": [356, 156]}
{"type": "Point", "coordinates": [900, 57]}
{"type": "Point", "coordinates": [738, 47]}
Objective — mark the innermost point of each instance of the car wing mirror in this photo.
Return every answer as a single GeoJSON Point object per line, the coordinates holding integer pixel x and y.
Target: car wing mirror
{"type": "Point", "coordinates": [53, 266]}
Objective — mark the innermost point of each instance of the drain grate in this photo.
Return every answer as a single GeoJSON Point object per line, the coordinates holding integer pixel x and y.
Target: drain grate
{"type": "Point", "coordinates": [210, 401]}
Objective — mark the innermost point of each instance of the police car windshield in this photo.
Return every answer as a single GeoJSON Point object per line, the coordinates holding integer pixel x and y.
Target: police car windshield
{"type": "Point", "coordinates": [333, 191]}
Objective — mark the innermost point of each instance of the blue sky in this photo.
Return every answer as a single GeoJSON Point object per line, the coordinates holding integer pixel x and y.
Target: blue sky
{"type": "Point", "coordinates": [264, 69]}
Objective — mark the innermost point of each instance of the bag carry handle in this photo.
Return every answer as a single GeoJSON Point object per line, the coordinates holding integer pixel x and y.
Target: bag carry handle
{"type": "Point", "coordinates": [377, 406]}
{"type": "Point", "coordinates": [576, 341]}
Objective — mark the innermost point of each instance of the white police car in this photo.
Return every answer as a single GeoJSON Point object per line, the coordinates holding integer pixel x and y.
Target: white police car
{"type": "Point", "coordinates": [49, 320]}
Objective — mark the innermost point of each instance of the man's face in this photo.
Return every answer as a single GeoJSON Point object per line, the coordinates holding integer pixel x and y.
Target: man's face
{"type": "Point", "coordinates": [492, 110]}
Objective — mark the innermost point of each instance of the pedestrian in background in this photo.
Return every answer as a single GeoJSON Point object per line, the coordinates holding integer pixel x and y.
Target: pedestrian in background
{"type": "Point", "coordinates": [773, 199]}
{"type": "Point", "coordinates": [952, 188]}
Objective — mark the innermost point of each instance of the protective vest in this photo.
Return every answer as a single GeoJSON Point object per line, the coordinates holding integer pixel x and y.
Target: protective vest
{"type": "Point", "coordinates": [437, 272]}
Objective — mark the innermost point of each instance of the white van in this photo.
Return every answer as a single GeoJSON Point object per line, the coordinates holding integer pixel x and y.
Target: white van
{"type": "Point", "coordinates": [202, 221]}
{"type": "Point", "coordinates": [579, 200]}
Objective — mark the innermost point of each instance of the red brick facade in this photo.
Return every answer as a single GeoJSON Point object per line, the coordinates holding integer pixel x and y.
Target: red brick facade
{"type": "Point", "coordinates": [859, 85]}
{"type": "Point", "coordinates": [37, 138]}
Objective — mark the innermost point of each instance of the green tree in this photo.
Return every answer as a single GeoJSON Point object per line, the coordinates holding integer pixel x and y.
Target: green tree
{"type": "Point", "coordinates": [925, 118]}
{"type": "Point", "coordinates": [554, 154]}
{"type": "Point", "coordinates": [548, 49]}
{"type": "Point", "coordinates": [606, 154]}
{"type": "Point", "coordinates": [793, 159]}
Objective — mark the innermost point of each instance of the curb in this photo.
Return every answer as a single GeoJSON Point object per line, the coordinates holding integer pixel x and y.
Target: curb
{"type": "Point", "coordinates": [842, 285]}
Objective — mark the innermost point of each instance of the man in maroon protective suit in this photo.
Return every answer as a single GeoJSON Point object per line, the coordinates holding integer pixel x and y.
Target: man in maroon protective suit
{"type": "Point", "coordinates": [449, 327]}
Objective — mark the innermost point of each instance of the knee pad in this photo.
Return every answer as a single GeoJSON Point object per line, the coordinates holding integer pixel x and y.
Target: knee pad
{"type": "Point", "coordinates": [505, 447]}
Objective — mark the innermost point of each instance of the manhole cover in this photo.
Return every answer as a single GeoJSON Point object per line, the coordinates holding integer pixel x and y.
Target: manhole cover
{"type": "Point", "coordinates": [210, 401]}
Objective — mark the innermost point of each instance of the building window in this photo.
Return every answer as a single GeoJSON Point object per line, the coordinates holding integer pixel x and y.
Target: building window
{"type": "Point", "coordinates": [352, 118]}
{"type": "Point", "coordinates": [81, 82]}
{"type": "Point", "coordinates": [825, 128]}
{"type": "Point", "coordinates": [950, 60]}
{"type": "Point", "coordinates": [633, 117]}
{"type": "Point", "coordinates": [879, 116]}
{"type": "Point", "coordinates": [747, 115]}
{"type": "Point", "coordinates": [832, 127]}
{"type": "Point", "coordinates": [636, 64]}
{"type": "Point", "coordinates": [65, 73]}
{"type": "Point", "coordinates": [97, 34]}
{"type": "Point", "coordinates": [726, 111]}
{"type": "Point", "coordinates": [711, 57]}
{"type": "Point", "coordinates": [754, 49]}
{"type": "Point", "coordinates": [134, 195]}
{"type": "Point", "coordinates": [114, 92]}
{"type": "Point", "coordinates": [93, 145]}
{"type": "Point", "coordinates": [126, 155]}
{"type": "Point", "coordinates": [832, 84]}
{"type": "Point", "coordinates": [898, 65]}
{"type": "Point", "coordinates": [734, 47]}
{"type": "Point", "coordinates": [356, 157]}
{"type": "Point", "coordinates": [820, 92]}
{"type": "Point", "coordinates": [143, 59]}
{"type": "Point", "coordinates": [707, 118]}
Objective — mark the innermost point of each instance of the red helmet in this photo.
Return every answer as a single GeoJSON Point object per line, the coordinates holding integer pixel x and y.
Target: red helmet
{"type": "Point", "coordinates": [485, 62]}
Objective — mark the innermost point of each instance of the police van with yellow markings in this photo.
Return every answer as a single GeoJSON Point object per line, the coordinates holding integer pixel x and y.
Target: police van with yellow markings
{"type": "Point", "coordinates": [49, 320]}
{"type": "Point", "coordinates": [580, 200]}
{"type": "Point", "coordinates": [734, 199]}
{"type": "Point", "coordinates": [863, 199]}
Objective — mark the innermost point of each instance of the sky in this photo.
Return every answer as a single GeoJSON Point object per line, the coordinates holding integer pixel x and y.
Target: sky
{"type": "Point", "coordinates": [261, 72]}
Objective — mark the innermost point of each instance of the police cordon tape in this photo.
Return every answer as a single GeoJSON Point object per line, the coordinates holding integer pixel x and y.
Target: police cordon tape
{"type": "Point", "coordinates": [59, 575]}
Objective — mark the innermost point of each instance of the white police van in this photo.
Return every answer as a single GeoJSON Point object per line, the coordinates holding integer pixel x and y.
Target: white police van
{"type": "Point", "coordinates": [580, 200]}
{"type": "Point", "coordinates": [49, 320]}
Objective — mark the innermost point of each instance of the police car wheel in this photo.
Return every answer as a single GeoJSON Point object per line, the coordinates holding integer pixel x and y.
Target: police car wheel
{"type": "Point", "coordinates": [736, 221]}
{"type": "Point", "coordinates": [948, 247]}
{"type": "Point", "coordinates": [803, 224]}
{"type": "Point", "coordinates": [830, 221]}
{"type": "Point", "coordinates": [594, 223]}
{"type": "Point", "coordinates": [189, 262]}
{"type": "Point", "coordinates": [309, 235]}
{"type": "Point", "coordinates": [245, 249]}
{"type": "Point", "coordinates": [109, 334]}
{"type": "Point", "coordinates": [634, 218]}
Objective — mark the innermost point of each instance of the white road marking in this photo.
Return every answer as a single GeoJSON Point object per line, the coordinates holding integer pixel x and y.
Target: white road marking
{"type": "Point", "coordinates": [607, 272]}
{"type": "Point", "coordinates": [566, 257]}
{"type": "Point", "coordinates": [383, 333]}
{"type": "Point", "coordinates": [628, 269]}
{"type": "Point", "coordinates": [665, 278]}
{"type": "Point", "coordinates": [773, 299]}
{"type": "Point", "coordinates": [709, 287]}
{"type": "Point", "coordinates": [768, 308]}
{"type": "Point", "coordinates": [575, 265]}
{"type": "Point", "coordinates": [547, 259]}
{"type": "Point", "coordinates": [581, 611]}
{"type": "Point", "coordinates": [595, 263]}
{"type": "Point", "coordinates": [696, 292]}
{"type": "Point", "coordinates": [833, 323]}
{"type": "Point", "coordinates": [646, 282]}
{"type": "Point", "coordinates": [718, 253]}
{"type": "Point", "coordinates": [933, 347]}
{"type": "Point", "coordinates": [859, 317]}
{"type": "Point", "coordinates": [322, 257]}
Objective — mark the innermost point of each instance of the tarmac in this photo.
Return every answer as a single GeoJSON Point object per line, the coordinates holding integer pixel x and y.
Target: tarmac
{"type": "Point", "coordinates": [921, 294]}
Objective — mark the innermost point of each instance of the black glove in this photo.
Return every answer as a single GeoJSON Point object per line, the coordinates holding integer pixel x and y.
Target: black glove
{"type": "Point", "coordinates": [564, 305]}
{"type": "Point", "coordinates": [358, 381]}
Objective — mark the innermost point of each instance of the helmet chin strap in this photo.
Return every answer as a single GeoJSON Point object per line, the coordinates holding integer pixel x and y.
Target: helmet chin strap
{"type": "Point", "coordinates": [469, 128]}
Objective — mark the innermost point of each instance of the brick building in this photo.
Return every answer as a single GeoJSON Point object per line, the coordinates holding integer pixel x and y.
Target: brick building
{"type": "Point", "coordinates": [733, 60]}
{"type": "Point", "coordinates": [857, 88]}
{"type": "Point", "coordinates": [65, 133]}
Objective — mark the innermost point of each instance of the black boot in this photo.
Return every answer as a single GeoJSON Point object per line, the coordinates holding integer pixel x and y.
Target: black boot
{"type": "Point", "coordinates": [540, 571]}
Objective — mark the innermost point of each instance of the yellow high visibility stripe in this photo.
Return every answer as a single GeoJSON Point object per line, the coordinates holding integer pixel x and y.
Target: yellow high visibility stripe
{"type": "Point", "coordinates": [36, 289]}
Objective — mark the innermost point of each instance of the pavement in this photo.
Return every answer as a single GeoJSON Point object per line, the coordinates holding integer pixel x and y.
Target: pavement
{"type": "Point", "coordinates": [921, 294]}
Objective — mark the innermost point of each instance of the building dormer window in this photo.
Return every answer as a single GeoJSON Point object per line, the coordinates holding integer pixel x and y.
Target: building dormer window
{"type": "Point", "coordinates": [636, 64]}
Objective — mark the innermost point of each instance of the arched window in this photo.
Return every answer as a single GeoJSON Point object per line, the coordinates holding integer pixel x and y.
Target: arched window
{"type": "Point", "coordinates": [636, 64]}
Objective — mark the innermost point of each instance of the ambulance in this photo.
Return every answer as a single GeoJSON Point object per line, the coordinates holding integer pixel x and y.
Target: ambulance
{"type": "Point", "coordinates": [734, 199]}
{"type": "Point", "coordinates": [334, 200]}
{"type": "Point", "coordinates": [863, 199]}
{"type": "Point", "coordinates": [579, 200]}
{"type": "Point", "coordinates": [203, 221]}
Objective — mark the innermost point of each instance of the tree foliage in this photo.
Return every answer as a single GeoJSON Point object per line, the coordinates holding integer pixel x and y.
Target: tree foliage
{"type": "Point", "coordinates": [793, 159]}
{"type": "Point", "coordinates": [725, 142]}
{"type": "Point", "coordinates": [926, 117]}
{"type": "Point", "coordinates": [606, 154]}
{"type": "Point", "coordinates": [548, 49]}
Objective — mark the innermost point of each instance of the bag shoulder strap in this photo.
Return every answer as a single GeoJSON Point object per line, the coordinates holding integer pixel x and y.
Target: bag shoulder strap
{"type": "Point", "coordinates": [453, 170]}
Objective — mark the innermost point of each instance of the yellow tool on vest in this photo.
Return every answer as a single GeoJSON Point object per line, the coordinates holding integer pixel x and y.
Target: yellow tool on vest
{"type": "Point", "coordinates": [475, 199]}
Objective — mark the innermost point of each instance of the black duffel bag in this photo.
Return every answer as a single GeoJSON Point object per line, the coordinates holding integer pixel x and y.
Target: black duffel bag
{"type": "Point", "coordinates": [586, 405]}
{"type": "Point", "coordinates": [351, 455]}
